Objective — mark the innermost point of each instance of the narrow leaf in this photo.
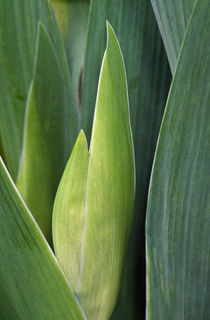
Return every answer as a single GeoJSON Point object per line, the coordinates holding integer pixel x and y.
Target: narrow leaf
{"type": "Point", "coordinates": [18, 31]}
{"type": "Point", "coordinates": [104, 218]}
{"type": "Point", "coordinates": [45, 144]}
{"type": "Point", "coordinates": [32, 286]}
{"type": "Point", "coordinates": [178, 208]}
{"type": "Point", "coordinates": [72, 17]}
{"type": "Point", "coordinates": [172, 18]}
{"type": "Point", "coordinates": [148, 76]}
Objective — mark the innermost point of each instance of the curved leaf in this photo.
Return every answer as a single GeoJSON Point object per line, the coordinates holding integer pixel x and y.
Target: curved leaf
{"type": "Point", "coordinates": [18, 31]}
{"type": "Point", "coordinates": [45, 145]}
{"type": "Point", "coordinates": [172, 18]}
{"type": "Point", "coordinates": [149, 78]}
{"type": "Point", "coordinates": [103, 220]}
{"type": "Point", "coordinates": [178, 206]}
{"type": "Point", "coordinates": [32, 286]}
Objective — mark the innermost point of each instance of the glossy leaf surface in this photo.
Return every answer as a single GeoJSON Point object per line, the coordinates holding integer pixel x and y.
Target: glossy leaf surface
{"type": "Point", "coordinates": [45, 146]}
{"type": "Point", "coordinates": [178, 208]}
{"type": "Point", "coordinates": [172, 18]}
{"type": "Point", "coordinates": [148, 77]}
{"type": "Point", "coordinates": [32, 285]}
{"type": "Point", "coordinates": [100, 212]}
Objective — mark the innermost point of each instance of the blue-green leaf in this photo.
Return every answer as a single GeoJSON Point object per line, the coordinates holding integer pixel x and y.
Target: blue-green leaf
{"type": "Point", "coordinates": [172, 18]}
{"type": "Point", "coordinates": [178, 218]}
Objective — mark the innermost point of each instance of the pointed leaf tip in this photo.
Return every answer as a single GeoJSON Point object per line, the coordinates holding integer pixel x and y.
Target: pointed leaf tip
{"type": "Point", "coordinates": [111, 36]}
{"type": "Point", "coordinates": [82, 138]}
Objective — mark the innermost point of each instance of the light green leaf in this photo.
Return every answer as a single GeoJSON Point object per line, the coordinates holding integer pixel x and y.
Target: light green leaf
{"type": "Point", "coordinates": [72, 17]}
{"type": "Point", "coordinates": [172, 18]}
{"type": "Point", "coordinates": [69, 217]}
{"type": "Point", "coordinates": [178, 208]}
{"type": "Point", "coordinates": [45, 146]}
{"type": "Point", "coordinates": [18, 31]}
{"type": "Point", "coordinates": [102, 221]}
{"type": "Point", "coordinates": [32, 285]}
{"type": "Point", "coordinates": [148, 77]}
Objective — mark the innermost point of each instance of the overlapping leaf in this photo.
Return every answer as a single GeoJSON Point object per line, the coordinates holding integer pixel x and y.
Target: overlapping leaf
{"type": "Point", "coordinates": [32, 285]}
{"type": "Point", "coordinates": [94, 203]}
{"type": "Point", "coordinates": [148, 81]}
{"type": "Point", "coordinates": [72, 19]}
{"type": "Point", "coordinates": [45, 146]}
{"type": "Point", "coordinates": [18, 31]}
{"type": "Point", "coordinates": [178, 209]}
{"type": "Point", "coordinates": [172, 18]}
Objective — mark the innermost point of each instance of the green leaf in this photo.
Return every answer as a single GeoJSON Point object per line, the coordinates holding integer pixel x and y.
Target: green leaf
{"type": "Point", "coordinates": [32, 285]}
{"type": "Point", "coordinates": [148, 77]}
{"type": "Point", "coordinates": [45, 146]}
{"type": "Point", "coordinates": [19, 21]}
{"type": "Point", "coordinates": [172, 18]}
{"type": "Point", "coordinates": [72, 17]}
{"type": "Point", "coordinates": [178, 208]}
{"type": "Point", "coordinates": [102, 221]}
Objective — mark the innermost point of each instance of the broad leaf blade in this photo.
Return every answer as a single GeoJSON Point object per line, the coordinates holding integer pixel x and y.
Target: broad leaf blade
{"type": "Point", "coordinates": [172, 18]}
{"type": "Point", "coordinates": [148, 82]}
{"type": "Point", "coordinates": [18, 31]}
{"type": "Point", "coordinates": [178, 209]}
{"type": "Point", "coordinates": [45, 145]}
{"type": "Point", "coordinates": [104, 220]}
{"type": "Point", "coordinates": [32, 285]}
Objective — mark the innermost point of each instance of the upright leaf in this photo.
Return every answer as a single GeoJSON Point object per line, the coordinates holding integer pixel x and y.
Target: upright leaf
{"type": "Point", "coordinates": [32, 286]}
{"type": "Point", "coordinates": [93, 207]}
{"type": "Point", "coordinates": [148, 81]}
{"type": "Point", "coordinates": [45, 146]}
{"type": "Point", "coordinates": [72, 17]}
{"type": "Point", "coordinates": [172, 18]}
{"type": "Point", "coordinates": [18, 31]}
{"type": "Point", "coordinates": [178, 209]}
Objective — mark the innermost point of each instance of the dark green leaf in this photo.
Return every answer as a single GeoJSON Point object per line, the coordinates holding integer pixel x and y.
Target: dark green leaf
{"type": "Point", "coordinates": [72, 17]}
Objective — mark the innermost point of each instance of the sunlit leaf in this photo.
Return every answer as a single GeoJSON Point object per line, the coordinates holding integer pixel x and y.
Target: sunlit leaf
{"type": "Point", "coordinates": [93, 207]}
{"type": "Point", "coordinates": [178, 210]}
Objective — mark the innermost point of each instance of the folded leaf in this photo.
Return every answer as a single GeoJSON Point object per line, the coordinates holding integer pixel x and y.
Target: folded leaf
{"type": "Point", "coordinates": [45, 146]}
{"type": "Point", "coordinates": [32, 285]}
{"type": "Point", "coordinates": [148, 77]}
{"type": "Point", "coordinates": [94, 203]}
{"type": "Point", "coordinates": [172, 18]}
{"type": "Point", "coordinates": [18, 31]}
{"type": "Point", "coordinates": [178, 209]}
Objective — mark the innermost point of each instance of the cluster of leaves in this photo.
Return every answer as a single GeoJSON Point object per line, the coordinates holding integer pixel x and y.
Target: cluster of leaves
{"type": "Point", "coordinates": [50, 81]}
